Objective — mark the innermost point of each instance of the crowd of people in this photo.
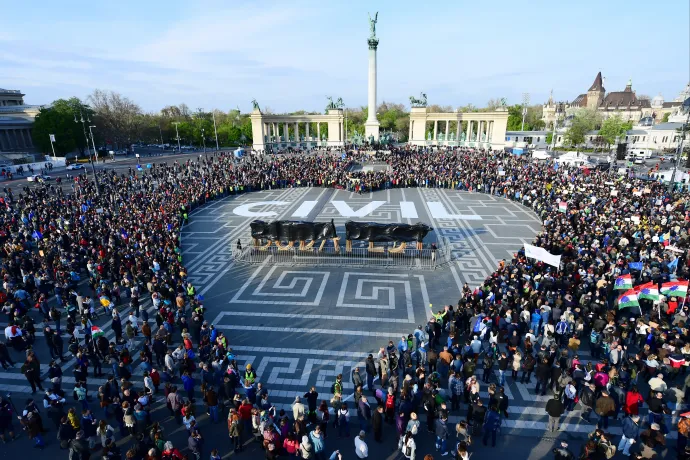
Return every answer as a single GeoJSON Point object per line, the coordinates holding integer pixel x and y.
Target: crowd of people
{"type": "Point", "coordinates": [72, 257]}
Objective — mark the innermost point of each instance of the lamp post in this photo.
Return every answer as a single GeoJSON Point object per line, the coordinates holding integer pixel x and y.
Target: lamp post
{"type": "Point", "coordinates": [95, 152]}
{"type": "Point", "coordinates": [179, 149]}
{"type": "Point", "coordinates": [215, 130]}
{"type": "Point", "coordinates": [161, 133]}
{"type": "Point", "coordinates": [203, 139]}
{"type": "Point", "coordinates": [93, 168]}
{"type": "Point", "coordinates": [525, 102]}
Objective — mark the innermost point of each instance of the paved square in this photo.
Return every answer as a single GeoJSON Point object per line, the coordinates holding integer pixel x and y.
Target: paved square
{"type": "Point", "coordinates": [302, 326]}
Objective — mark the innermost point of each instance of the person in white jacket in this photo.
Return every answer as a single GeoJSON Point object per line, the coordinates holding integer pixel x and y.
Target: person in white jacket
{"type": "Point", "coordinates": [361, 448]}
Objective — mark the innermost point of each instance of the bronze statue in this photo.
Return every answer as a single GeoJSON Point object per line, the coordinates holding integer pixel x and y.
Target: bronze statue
{"type": "Point", "coordinates": [372, 25]}
{"type": "Point", "coordinates": [421, 102]}
{"type": "Point", "coordinates": [255, 104]}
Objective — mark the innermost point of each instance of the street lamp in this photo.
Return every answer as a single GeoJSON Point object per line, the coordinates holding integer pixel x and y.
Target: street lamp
{"type": "Point", "coordinates": [203, 139]}
{"type": "Point", "coordinates": [215, 130]}
{"type": "Point", "coordinates": [93, 168]}
{"type": "Point", "coordinates": [179, 148]}
{"type": "Point", "coordinates": [95, 152]}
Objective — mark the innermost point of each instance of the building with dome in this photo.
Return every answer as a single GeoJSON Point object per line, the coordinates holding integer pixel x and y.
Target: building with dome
{"type": "Point", "coordinates": [16, 121]}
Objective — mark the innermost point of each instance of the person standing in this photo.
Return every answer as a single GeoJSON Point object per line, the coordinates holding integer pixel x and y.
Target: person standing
{"type": "Point", "coordinates": [361, 448]}
{"type": "Point", "coordinates": [555, 410]}
{"type": "Point", "coordinates": [442, 434]}
{"type": "Point", "coordinates": [377, 424]}
{"type": "Point", "coordinates": [492, 423]}
{"type": "Point", "coordinates": [371, 372]}
{"type": "Point", "coordinates": [195, 444]}
{"type": "Point", "coordinates": [605, 407]}
{"type": "Point", "coordinates": [32, 371]}
{"type": "Point", "coordinates": [631, 434]}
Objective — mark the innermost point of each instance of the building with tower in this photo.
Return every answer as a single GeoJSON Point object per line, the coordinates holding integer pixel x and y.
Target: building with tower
{"type": "Point", "coordinates": [624, 103]}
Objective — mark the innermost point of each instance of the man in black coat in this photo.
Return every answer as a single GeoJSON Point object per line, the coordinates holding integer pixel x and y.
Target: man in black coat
{"type": "Point", "coordinates": [377, 424]}
{"type": "Point", "coordinates": [555, 409]}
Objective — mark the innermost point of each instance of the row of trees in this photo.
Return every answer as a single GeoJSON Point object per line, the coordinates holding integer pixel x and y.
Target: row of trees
{"type": "Point", "coordinates": [118, 122]}
{"type": "Point", "coordinates": [587, 120]}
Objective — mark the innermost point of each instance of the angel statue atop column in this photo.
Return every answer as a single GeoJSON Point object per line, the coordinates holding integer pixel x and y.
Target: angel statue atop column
{"type": "Point", "coordinates": [372, 24]}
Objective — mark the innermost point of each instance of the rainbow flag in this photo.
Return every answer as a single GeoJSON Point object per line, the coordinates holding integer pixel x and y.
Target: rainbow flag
{"type": "Point", "coordinates": [623, 282]}
{"type": "Point", "coordinates": [628, 299]}
{"type": "Point", "coordinates": [675, 289]}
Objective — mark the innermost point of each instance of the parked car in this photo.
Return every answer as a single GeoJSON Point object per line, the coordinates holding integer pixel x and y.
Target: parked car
{"type": "Point", "coordinates": [38, 178]}
{"type": "Point", "coordinates": [75, 166]}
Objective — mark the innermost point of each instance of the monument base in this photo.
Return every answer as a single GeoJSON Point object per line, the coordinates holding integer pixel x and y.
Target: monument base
{"type": "Point", "coordinates": [371, 129]}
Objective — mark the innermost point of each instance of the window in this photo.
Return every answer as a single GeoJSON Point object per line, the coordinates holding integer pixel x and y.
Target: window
{"type": "Point", "coordinates": [559, 138]}
{"type": "Point", "coordinates": [508, 138]}
{"type": "Point", "coordinates": [538, 139]}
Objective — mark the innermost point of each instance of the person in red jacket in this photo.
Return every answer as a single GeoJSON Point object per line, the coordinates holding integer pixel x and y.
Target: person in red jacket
{"type": "Point", "coordinates": [633, 399]}
{"type": "Point", "coordinates": [170, 452]}
{"type": "Point", "coordinates": [245, 411]}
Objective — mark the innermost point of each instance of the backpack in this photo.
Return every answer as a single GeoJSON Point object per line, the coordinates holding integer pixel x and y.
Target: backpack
{"type": "Point", "coordinates": [390, 402]}
{"type": "Point", "coordinates": [594, 336]}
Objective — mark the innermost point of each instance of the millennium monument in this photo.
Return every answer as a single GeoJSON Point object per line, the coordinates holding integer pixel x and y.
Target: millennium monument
{"type": "Point", "coordinates": [371, 127]}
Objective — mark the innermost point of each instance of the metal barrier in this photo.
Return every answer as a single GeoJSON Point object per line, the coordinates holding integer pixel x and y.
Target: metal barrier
{"type": "Point", "coordinates": [381, 257]}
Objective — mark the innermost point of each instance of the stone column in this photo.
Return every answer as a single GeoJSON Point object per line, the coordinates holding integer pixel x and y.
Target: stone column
{"type": "Point", "coordinates": [468, 129]}
{"type": "Point", "coordinates": [409, 136]}
{"type": "Point", "coordinates": [306, 135]}
{"type": "Point", "coordinates": [457, 131]}
{"type": "Point", "coordinates": [318, 132]}
{"type": "Point", "coordinates": [297, 131]}
{"type": "Point", "coordinates": [435, 130]}
{"type": "Point", "coordinates": [371, 127]}
{"type": "Point", "coordinates": [287, 131]}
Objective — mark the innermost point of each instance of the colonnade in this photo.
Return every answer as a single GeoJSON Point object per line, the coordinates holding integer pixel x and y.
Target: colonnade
{"type": "Point", "coordinates": [289, 131]}
{"type": "Point", "coordinates": [15, 139]}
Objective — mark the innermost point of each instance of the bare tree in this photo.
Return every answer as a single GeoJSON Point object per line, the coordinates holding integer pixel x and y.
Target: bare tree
{"type": "Point", "coordinates": [117, 117]}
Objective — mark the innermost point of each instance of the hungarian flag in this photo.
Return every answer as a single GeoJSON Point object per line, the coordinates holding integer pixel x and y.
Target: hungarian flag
{"type": "Point", "coordinates": [628, 299]}
{"type": "Point", "coordinates": [624, 282]}
{"type": "Point", "coordinates": [675, 289]}
{"type": "Point", "coordinates": [96, 332]}
{"type": "Point", "coordinates": [648, 291]}
{"type": "Point", "coordinates": [563, 206]}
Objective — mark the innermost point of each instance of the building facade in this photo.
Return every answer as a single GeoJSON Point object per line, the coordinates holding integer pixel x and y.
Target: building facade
{"type": "Point", "coordinates": [16, 121]}
{"type": "Point", "coordinates": [624, 103]}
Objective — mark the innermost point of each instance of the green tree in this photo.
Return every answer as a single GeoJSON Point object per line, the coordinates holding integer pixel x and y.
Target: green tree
{"type": "Point", "coordinates": [665, 117]}
{"type": "Point", "coordinates": [584, 121]}
{"type": "Point", "coordinates": [515, 118]}
{"type": "Point", "coordinates": [549, 138]}
{"type": "Point", "coordinates": [58, 119]}
{"type": "Point", "coordinates": [614, 127]}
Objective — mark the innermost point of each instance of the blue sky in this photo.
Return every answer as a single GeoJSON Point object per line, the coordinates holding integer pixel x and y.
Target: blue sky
{"type": "Point", "coordinates": [290, 55]}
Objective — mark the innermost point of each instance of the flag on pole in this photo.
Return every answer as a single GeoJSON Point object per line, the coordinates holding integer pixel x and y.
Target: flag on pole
{"type": "Point", "coordinates": [563, 206]}
{"type": "Point", "coordinates": [52, 137]}
{"type": "Point", "coordinates": [96, 332]}
{"type": "Point", "coordinates": [628, 299]}
{"type": "Point", "coordinates": [624, 282]}
{"type": "Point", "coordinates": [635, 266]}
{"type": "Point", "coordinates": [648, 291]}
{"type": "Point", "coordinates": [675, 289]}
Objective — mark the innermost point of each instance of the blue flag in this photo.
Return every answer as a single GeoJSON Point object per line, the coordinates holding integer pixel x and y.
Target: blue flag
{"type": "Point", "coordinates": [37, 235]}
{"type": "Point", "coordinates": [673, 264]}
{"type": "Point", "coordinates": [635, 265]}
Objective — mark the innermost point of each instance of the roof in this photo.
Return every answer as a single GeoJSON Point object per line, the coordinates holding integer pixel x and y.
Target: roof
{"type": "Point", "coordinates": [527, 133]}
{"type": "Point", "coordinates": [670, 105]}
{"type": "Point", "coordinates": [623, 98]}
{"type": "Point", "coordinates": [670, 126]}
{"type": "Point", "coordinates": [579, 101]}
{"type": "Point", "coordinates": [598, 84]}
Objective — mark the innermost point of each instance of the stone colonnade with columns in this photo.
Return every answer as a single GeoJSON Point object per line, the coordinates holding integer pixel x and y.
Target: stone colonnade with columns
{"type": "Point", "coordinates": [12, 138]}
{"type": "Point", "coordinates": [480, 130]}
{"type": "Point", "coordinates": [275, 132]}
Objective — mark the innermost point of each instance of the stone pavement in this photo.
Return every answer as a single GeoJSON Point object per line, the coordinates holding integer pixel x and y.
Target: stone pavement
{"type": "Point", "coordinates": [300, 327]}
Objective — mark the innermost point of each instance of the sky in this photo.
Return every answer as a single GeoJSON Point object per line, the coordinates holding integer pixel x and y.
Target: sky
{"type": "Point", "coordinates": [290, 55]}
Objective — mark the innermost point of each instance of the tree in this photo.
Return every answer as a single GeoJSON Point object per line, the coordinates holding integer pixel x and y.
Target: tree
{"type": "Point", "coordinates": [117, 118]}
{"type": "Point", "coordinates": [515, 118]}
{"type": "Point", "coordinates": [665, 118]}
{"type": "Point", "coordinates": [493, 104]}
{"type": "Point", "coordinates": [58, 119]}
{"type": "Point", "coordinates": [549, 138]}
{"type": "Point", "coordinates": [584, 121]}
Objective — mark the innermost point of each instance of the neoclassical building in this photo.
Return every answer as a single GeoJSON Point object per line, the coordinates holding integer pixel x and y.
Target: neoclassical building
{"type": "Point", "coordinates": [16, 121]}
